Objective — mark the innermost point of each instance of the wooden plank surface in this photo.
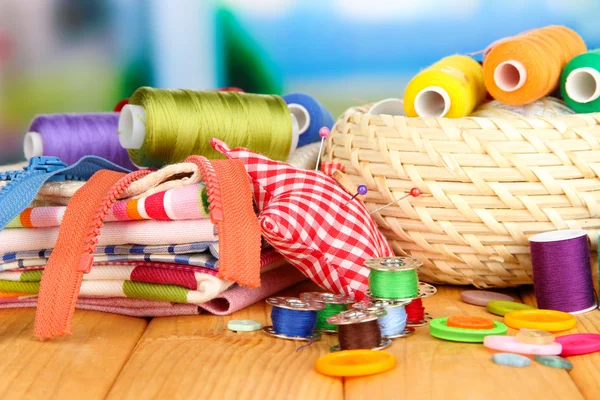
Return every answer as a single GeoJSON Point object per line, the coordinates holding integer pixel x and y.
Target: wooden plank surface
{"type": "Point", "coordinates": [81, 366]}
{"type": "Point", "coordinates": [430, 368]}
{"type": "Point", "coordinates": [586, 368]}
{"type": "Point", "coordinates": [199, 358]}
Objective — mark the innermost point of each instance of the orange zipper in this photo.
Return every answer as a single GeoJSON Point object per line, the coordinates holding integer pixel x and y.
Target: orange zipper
{"type": "Point", "coordinates": [72, 256]}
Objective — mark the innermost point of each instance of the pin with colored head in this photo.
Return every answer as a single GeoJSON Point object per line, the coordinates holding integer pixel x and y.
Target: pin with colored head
{"type": "Point", "coordinates": [362, 190]}
{"type": "Point", "coordinates": [414, 192]}
{"type": "Point", "coordinates": [323, 132]}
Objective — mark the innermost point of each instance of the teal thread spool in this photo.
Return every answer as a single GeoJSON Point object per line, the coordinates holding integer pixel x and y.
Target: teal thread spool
{"type": "Point", "coordinates": [334, 304]}
{"type": "Point", "coordinates": [393, 278]}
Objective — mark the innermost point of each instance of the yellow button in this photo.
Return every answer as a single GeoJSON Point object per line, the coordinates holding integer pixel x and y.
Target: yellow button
{"type": "Point", "coordinates": [355, 363]}
{"type": "Point", "coordinates": [544, 320]}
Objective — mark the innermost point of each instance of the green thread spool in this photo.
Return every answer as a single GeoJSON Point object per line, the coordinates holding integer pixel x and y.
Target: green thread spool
{"type": "Point", "coordinates": [160, 127]}
{"type": "Point", "coordinates": [393, 278]}
{"type": "Point", "coordinates": [334, 304]}
{"type": "Point", "coordinates": [580, 82]}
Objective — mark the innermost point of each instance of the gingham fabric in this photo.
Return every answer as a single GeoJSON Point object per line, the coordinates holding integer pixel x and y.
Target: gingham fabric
{"type": "Point", "coordinates": [304, 216]}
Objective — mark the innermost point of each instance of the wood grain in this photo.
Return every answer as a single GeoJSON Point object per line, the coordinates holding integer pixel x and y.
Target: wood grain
{"type": "Point", "coordinates": [429, 368]}
{"type": "Point", "coordinates": [198, 357]}
{"type": "Point", "coordinates": [586, 370]}
{"type": "Point", "coordinates": [83, 365]}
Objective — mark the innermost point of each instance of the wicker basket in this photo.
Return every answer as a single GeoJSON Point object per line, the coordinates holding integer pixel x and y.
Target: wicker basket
{"type": "Point", "coordinates": [487, 184]}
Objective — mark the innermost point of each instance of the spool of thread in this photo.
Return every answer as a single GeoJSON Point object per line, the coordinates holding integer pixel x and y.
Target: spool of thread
{"type": "Point", "coordinates": [293, 319]}
{"type": "Point", "coordinates": [334, 304]}
{"type": "Point", "coordinates": [359, 330]}
{"type": "Point", "coordinates": [562, 276]}
{"type": "Point", "coordinates": [393, 324]}
{"type": "Point", "coordinates": [527, 67]}
{"type": "Point", "coordinates": [72, 136]}
{"type": "Point", "coordinates": [161, 127]}
{"type": "Point", "coordinates": [311, 116]}
{"type": "Point", "coordinates": [580, 82]}
{"type": "Point", "coordinates": [452, 88]}
{"type": "Point", "coordinates": [547, 107]}
{"type": "Point", "coordinates": [415, 313]}
{"type": "Point", "coordinates": [393, 278]}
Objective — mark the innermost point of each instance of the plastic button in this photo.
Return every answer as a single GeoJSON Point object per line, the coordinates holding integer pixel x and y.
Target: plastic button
{"type": "Point", "coordinates": [512, 345]}
{"type": "Point", "coordinates": [243, 325]}
{"type": "Point", "coordinates": [482, 297]}
{"type": "Point", "coordinates": [534, 336]}
{"type": "Point", "coordinates": [501, 307]}
{"type": "Point", "coordinates": [355, 363]}
{"type": "Point", "coordinates": [466, 322]}
{"type": "Point", "coordinates": [439, 329]}
{"type": "Point", "coordinates": [579, 343]}
{"type": "Point", "coordinates": [545, 320]}
{"type": "Point", "coordinates": [554, 362]}
{"type": "Point", "coordinates": [511, 360]}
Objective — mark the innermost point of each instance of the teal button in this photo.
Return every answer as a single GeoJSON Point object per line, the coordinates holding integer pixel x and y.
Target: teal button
{"type": "Point", "coordinates": [243, 325]}
{"type": "Point", "coordinates": [511, 360]}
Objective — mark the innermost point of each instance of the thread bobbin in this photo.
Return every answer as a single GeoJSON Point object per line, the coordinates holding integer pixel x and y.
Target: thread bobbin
{"type": "Point", "coordinates": [292, 303]}
{"type": "Point", "coordinates": [352, 317]}
{"type": "Point", "coordinates": [326, 298]}
{"type": "Point", "coordinates": [373, 306]}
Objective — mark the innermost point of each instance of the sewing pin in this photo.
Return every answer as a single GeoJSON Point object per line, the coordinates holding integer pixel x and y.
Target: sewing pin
{"type": "Point", "coordinates": [323, 132]}
{"type": "Point", "coordinates": [362, 190]}
{"type": "Point", "coordinates": [414, 192]}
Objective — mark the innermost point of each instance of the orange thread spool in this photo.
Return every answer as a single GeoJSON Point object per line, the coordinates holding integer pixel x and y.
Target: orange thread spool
{"type": "Point", "coordinates": [524, 68]}
{"type": "Point", "coordinates": [466, 322]}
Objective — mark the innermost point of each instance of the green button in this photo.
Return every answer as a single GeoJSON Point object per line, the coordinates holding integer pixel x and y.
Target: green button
{"type": "Point", "coordinates": [243, 325]}
{"type": "Point", "coordinates": [554, 362]}
{"type": "Point", "coordinates": [439, 329]}
{"type": "Point", "coordinates": [502, 307]}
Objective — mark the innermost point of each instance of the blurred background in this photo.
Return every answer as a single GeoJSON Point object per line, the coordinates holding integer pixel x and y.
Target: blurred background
{"type": "Point", "coordinates": [86, 55]}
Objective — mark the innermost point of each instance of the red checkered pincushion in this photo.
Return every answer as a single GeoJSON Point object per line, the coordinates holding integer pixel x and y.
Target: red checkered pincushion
{"type": "Point", "coordinates": [303, 216]}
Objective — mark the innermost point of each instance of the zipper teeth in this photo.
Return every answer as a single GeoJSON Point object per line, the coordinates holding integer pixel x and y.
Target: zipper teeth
{"type": "Point", "coordinates": [17, 178]}
{"type": "Point", "coordinates": [109, 199]}
{"type": "Point", "coordinates": [213, 188]}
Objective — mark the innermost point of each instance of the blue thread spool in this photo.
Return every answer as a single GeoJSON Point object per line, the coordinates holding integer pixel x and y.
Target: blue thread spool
{"type": "Point", "coordinates": [293, 319]}
{"type": "Point", "coordinates": [311, 116]}
{"type": "Point", "coordinates": [393, 324]}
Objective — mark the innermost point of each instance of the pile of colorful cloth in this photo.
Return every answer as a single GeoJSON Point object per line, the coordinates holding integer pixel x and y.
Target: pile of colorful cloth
{"type": "Point", "coordinates": [157, 252]}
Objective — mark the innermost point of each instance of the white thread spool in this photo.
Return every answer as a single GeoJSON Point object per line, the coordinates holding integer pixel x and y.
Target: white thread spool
{"type": "Point", "coordinates": [510, 75]}
{"type": "Point", "coordinates": [433, 101]}
{"type": "Point", "coordinates": [391, 106]}
{"type": "Point", "coordinates": [583, 85]}
{"type": "Point", "coordinates": [132, 125]}
{"type": "Point", "coordinates": [33, 145]}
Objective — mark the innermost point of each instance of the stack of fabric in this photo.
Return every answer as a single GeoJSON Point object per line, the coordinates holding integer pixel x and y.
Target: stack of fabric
{"type": "Point", "coordinates": [157, 255]}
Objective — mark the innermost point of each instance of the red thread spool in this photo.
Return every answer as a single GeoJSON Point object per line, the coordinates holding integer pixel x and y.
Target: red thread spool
{"type": "Point", "coordinates": [120, 105]}
{"type": "Point", "coordinates": [415, 312]}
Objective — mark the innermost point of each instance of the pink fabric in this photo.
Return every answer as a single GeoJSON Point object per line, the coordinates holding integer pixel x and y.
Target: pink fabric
{"type": "Point", "coordinates": [239, 297]}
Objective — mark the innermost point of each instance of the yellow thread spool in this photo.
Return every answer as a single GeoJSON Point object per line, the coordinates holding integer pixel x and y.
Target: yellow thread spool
{"type": "Point", "coordinates": [452, 87]}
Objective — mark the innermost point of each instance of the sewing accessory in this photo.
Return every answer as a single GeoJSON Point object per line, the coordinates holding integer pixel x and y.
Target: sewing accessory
{"type": "Point", "coordinates": [355, 363]}
{"type": "Point", "coordinates": [161, 126]}
{"type": "Point", "coordinates": [511, 360]}
{"type": "Point", "coordinates": [562, 276]}
{"type": "Point", "coordinates": [293, 319]}
{"type": "Point", "coordinates": [120, 105]}
{"type": "Point", "coordinates": [554, 362]}
{"type": "Point", "coordinates": [393, 278]}
{"type": "Point", "coordinates": [311, 116]}
{"type": "Point", "coordinates": [414, 192]}
{"type": "Point", "coordinates": [580, 82]}
{"type": "Point", "coordinates": [438, 328]}
{"type": "Point", "coordinates": [526, 67]}
{"type": "Point", "coordinates": [512, 345]}
{"type": "Point", "coordinates": [416, 315]}
{"type": "Point", "coordinates": [391, 106]}
{"type": "Point", "coordinates": [482, 297]}
{"type": "Point", "coordinates": [544, 320]}
{"type": "Point", "coordinates": [393, 324]}
{"type": "Point", "coordinates": [323, 132]}
{"type": "Point", "coordinates": [501, 307]}
{"type": "Point", "coordinates": [362, 190]}
{"type": "Point", "coordinates": [243, 325]}
{"type": "Point", "coordinates": [579, 343]}
{"type": "Point", "coordinates": [73, 136]}
{"type": "Point", "coordinates": [452, 88]}
{"type": "Point", "coordinates": [467, 322]}
{"type": "Point", "coordinates": [534, 336]}
{"type": "Point", "coordinates": [334, 304]}
{"type": "Point", "coordinates": [359, 330]}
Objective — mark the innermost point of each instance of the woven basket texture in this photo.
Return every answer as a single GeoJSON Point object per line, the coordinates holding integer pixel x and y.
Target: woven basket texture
{"type": "Point", "coordinates": [487, 185]}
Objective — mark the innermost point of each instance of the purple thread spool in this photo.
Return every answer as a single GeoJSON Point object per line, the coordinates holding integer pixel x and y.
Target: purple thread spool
{"type": "Point", "coordinates": [72, 136]}
{"type": "Point", "coordinates": [561, 271]}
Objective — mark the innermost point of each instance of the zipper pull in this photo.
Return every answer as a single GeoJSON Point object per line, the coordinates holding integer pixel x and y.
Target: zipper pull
{"type": "Point", "coordinates": [46, 164]}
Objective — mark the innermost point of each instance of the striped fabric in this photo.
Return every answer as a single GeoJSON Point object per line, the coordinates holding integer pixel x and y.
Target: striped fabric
{"type": "Point", "coordinates": [183, 203]}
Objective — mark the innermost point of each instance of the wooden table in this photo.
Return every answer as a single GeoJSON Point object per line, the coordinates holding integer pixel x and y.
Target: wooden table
{"type": "Point", "coordinates": [117, 357]}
